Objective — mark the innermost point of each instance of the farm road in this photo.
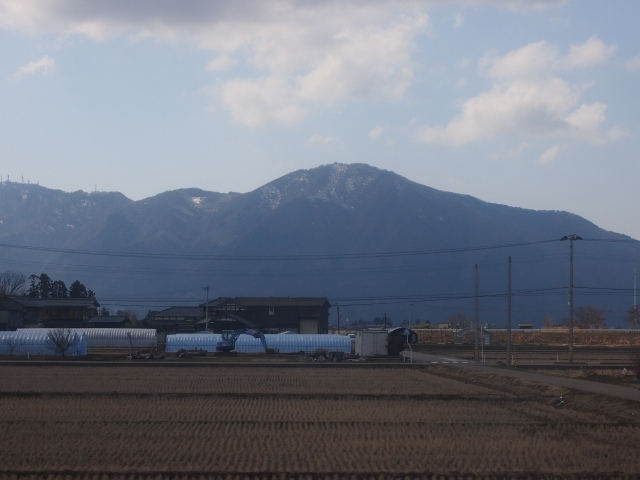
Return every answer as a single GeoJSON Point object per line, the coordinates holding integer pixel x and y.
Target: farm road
{"type": "Point", "coordinates": [573, 383]}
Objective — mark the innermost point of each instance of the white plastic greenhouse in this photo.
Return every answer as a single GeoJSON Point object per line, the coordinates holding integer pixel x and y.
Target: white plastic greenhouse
{"type": "Point", "coordinates": [111, 337]}
{"type": "Point", "coordinates": [289, 343]}
{"type": "Point", "coordinates": [31, 342]}
{"type": "Point", "coordinates": [192, 341]}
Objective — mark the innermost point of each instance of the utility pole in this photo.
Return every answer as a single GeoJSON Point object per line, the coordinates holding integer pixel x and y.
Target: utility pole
{"type": "Point", "coordinates": [509, 363]}
{"type": "Point", "coordinates": [571, 238]}
{"type": "Point", "coordinates": [206, 316]}
{"type": "Point", "coordinates": [477, 318]}
{"type": "Point", "coordinates": [338, 307]}
{"type": "Point", "coordinates": [635, 297]}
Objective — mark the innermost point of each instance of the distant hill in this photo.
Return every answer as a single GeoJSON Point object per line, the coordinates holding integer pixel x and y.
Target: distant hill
{"type": "Point", "coordinates": [369, 240]}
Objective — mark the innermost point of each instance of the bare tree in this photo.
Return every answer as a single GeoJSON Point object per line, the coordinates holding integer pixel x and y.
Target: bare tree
{"type": "Point", "coordinates": [591, 317]}
{"type": "Point", "coordinates": [12, 283]}
{"type": "Point", "coordinates": [60, 341]}
{"type": "Point", "coordinates": [12, 343]}
{"type": "Point", "coordinates": [460, 320]}
{"type": "Point", "coordinates": [633, 317]}
{"type": "Point", "coordinates": [132, 315]}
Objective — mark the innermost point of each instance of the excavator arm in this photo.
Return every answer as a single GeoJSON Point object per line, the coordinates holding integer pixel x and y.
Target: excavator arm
{"type": "Point", "coordinates": [229, 344]}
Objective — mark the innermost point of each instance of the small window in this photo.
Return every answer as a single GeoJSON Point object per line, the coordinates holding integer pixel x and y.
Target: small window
{"type": "Point", "coordinates": [271, 311]}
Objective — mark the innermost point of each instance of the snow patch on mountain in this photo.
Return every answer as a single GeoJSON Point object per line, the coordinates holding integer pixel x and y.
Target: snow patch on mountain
{"type": "Point", "coordinates": [271, 196]}
{"type": "Point", "coordinates": [345, 183]}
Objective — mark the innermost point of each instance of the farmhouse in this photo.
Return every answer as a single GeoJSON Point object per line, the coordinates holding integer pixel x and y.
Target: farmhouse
{"type": "Point", "coordinates": [20, 311]}
{"type": "Point", "coordinates": [109, 321]}
{"type": "Point", "coordinates": [176, 320]}
{"type": "Point", "coordinates": [270, 314]}
{"type": "Point", "coordinates": [267, 314]}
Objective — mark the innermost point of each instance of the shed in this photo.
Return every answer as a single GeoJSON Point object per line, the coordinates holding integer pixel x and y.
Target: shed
{"type": "Point", "coordinates": [370, 343]}
{"type": "Point", "coordinates": [110, 321]}
{"type": "Point", "coordinates": [405, 333]}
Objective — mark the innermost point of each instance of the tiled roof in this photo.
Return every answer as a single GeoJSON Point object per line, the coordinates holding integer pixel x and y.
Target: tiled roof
{"type": "Point", "coordinates": [54, 302]}
{"type": "Point", "coordinates": [115, 319]}
{"type": "Point", "coordinates": [196, 312]}
{"type": "Point", "coordinates": [273, 301]}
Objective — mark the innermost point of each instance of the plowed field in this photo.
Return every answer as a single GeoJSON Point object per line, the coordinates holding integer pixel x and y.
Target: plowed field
{"type": "Point", "coordinates": [145, 422]}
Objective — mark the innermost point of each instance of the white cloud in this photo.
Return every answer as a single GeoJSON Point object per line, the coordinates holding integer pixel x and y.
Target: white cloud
{"type": "Point", "coordinates": [533, 60]}
{"type": "Point", "coordinates": [221, 63]}
{"type": "Point", "coordinates": [45, 65]}
{"type": "Point", "coordinates": [549, 155]}
{"type": "Point", "coordinates": [458, 21]}
{"type": "Point", "coordinates": [320, 140]}
{"type": "Point", "coordinates": [542, 59]}
{"type": "Point", "coordinates": [514, 153]}
{"type": "Point", "coordinates": [464, 63]}
{"type": "Point", "coordinates": [529, 4]}
{"type": "Point", "coordinates": [302, 53]}
{"type": "Point", "coordinates": [633, 63]}
{"type": "Point", "coordinates": [264, 100]}
{"type": "Point", "coordinates": [529, 99]}
{"type": "Point", "coordinates": [376, 132]}
{"type": "Point", "coordinates": [591, 53]}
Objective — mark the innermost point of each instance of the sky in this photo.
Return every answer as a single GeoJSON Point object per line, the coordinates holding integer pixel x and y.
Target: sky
{"type": "Point", "coordinates": [527, 103]}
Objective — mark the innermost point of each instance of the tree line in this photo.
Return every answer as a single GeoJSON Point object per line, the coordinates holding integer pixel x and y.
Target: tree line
{"type": "Point", "coordinates": [41, 286]}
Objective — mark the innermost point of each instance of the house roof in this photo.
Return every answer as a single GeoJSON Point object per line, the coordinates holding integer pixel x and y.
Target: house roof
{"type": "Point", "coordinates": [401, 331]}
{"type": "Point", "coordinates": [29, 302]}
{"type": "Point", "coordinates": [272, 301]}
{"type": "Point", "coordinates": [110, 319]}
{"type": "Point", "coordinates": [190, 312]}
{"type": "Point", "coordinates": [240, 319]}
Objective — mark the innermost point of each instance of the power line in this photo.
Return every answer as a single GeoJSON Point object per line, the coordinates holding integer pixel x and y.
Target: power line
{"type": "Point", "coordinates": [200, 257]}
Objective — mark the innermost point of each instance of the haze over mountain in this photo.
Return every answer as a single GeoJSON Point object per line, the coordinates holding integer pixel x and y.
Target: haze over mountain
{"type": "Point", "coordinates": [369, 240]}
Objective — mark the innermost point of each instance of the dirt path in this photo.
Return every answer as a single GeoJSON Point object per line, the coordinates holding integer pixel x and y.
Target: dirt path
{"type": "Point", "coordinates": [572, 383]}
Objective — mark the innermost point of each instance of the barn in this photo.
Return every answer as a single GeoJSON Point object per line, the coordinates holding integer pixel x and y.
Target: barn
{"type": "Point", "coordinates": [307, 315]}
{"type": "Point", "coordinates": [20, 311]}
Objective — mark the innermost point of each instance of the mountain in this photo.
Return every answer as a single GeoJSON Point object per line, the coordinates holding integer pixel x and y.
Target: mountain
{"type": "Point", "coordinates": [369, 240]}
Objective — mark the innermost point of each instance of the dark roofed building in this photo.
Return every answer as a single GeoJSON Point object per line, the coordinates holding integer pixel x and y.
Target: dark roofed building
{"type": "Point", "coordinates": [405, 333]}
{"type": "Point", "coordinates": [109, 321]}
{"type": "Point", "coordinates": [19, 311]}
{"type": "Point", "coordinates": [269, 314]}
{"type": "Point", "coordinates": [176, 320]}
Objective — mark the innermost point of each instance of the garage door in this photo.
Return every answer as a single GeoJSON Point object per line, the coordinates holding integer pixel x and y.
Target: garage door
{"type": "Point", "coordinates": [309, 326]}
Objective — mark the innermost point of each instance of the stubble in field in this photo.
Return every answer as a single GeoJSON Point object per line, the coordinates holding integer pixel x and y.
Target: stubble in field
{"type": "Point", "coordinates": [212, 422]}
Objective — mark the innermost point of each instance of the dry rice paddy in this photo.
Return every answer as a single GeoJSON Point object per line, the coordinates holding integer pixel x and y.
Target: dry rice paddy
{"type": "Point", "coordinates": [146, 422]}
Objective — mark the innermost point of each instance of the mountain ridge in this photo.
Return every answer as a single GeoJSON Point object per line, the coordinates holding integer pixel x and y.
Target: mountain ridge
{"type": "Point", "coordinates": [251, 243]}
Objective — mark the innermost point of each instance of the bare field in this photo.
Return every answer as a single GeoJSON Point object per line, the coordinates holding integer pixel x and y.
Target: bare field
{"type": "Point", "coordinates": [550, 336]}
{"type": "Point", "coordinates": [145, 422]}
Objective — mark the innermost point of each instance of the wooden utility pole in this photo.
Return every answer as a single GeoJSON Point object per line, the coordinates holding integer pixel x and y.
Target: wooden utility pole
{"type": "Point", "coordinates": [509, 362]}
{"type": "Point", "coordinates": [206, 315]}
{"type": "Point", "coordinates": [571, 238]}
{"type": "Point", "coordinates": [477, 319]}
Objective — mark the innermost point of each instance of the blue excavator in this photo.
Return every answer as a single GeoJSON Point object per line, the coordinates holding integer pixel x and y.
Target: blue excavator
{"type": "Point", "coordinates": [228, 342]}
